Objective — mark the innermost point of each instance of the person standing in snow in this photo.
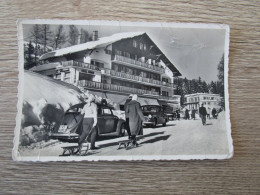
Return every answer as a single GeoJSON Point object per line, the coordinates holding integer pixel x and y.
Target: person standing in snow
{"type": "Point", "coordinates": [136, 117]}
{"type": "Point", "coordinates": [187, 114]}
{"type": "Point", "coordinates": [127, 116]}
{"type": "Point", "coordinates": [89, 123]}
{"type": "Point", "coordinates": [203, 114]}
{"type": "Point", "coordinates": [193, 112]}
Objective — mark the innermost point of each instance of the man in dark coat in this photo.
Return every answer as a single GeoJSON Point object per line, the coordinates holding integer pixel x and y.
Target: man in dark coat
{"type": "Point", "coordinates": [193, 112]}
{"type": "Point", "coordinates": [203, 114]}
{"type": "Point", "coordinates": [136, 117]}
{"type": "Point", "coordinates": [214, 112]}
{"type": "Point", "coordinates": [187, 115]}
{"type": "Point", "coordinates": [127, 116]}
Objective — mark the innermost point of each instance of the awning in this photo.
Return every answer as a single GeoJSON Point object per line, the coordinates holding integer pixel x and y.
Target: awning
{"type": "Point", "coordinates": [147, 101]}
{"type": "Point", "coordinates": [174, 106]}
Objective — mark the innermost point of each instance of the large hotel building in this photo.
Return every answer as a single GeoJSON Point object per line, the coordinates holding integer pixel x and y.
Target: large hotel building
{"type": "Point", "coordinates": [114, 67]}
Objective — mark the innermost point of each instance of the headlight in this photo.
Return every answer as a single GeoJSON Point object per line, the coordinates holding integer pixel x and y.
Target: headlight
{"type": "Point", "coordinates": [149, 116]}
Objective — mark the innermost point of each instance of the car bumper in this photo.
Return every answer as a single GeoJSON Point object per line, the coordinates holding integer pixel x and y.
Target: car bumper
{"type": "Point", "coordinates": [64, 136]}
{"type": "Point", "coordinates": [147, 123]}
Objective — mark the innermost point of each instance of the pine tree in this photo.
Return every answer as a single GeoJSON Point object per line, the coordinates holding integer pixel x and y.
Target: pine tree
{"type": "Point", "coordinates": [213, 88]}
{"type": "Point", "coordinates": [204, 87]}
{"type": "Point", "coordinates": [36, 37]}
{"type": "Point", "coordinates": [84, 36]}
{"type": "Point", "coordinates": [59, 37]}
{"type": "Point", "coordinates": [28, 52]}
{"type": "Point", "coordinates": [46, 35]}
{"type": "Point", "coordinates": [73, 35]}
{"type": "Point", "coordinates": [200, 90]}
{"type": "Point", "coordinates": [221, 81]}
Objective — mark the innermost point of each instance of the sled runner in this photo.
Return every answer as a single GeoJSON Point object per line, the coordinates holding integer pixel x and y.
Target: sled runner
{"type": "Point", "coordinates": [127, 144]}
{"type": "Point", "coordinates": [124, 143]}
{"type": "Point", "coordinates": [73, 150]}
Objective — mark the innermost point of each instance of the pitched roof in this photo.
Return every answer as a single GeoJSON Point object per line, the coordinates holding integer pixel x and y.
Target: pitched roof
{"type": "Point", "coordinates": [101, 42]}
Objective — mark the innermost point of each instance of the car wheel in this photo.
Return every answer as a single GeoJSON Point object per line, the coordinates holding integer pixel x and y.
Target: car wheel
{"type": "Point", "coordinates": [154, 123]}
{"type": "Point", "coordinates": [122, 130]}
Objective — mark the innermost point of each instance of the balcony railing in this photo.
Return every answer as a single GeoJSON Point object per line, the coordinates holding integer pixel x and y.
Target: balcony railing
{"type": "Point", "coordinates": [117, 74]}
{"type": "Point", "coordinates": [79, 64]}
{"type": "Point", "coordinates": [140, 64]}
{"type": "Point", "coordinates": [136, 78]}
{"type": "Point", "coordinates": [112, 87]}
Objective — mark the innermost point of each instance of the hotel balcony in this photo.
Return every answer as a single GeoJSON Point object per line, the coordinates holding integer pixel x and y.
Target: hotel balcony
{"type": "Point", "coordinates": [121, 75]}
{"type": "Point", "coordinates": [79, 64]}
{"type": "Point", "coordinates": [137, 64]}
{"type": "Point", "coordinates": [122, 89]}
{"type": "Point", "coordinates": [116, 88]}
{"type": "Point", "coordinates": [138, 79]}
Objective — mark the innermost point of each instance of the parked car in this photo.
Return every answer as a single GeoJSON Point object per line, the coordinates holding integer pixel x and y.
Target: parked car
{"type": "Point", "coordinates": [154, 115]}
{"type": "Point", "coordinates": [71, 126]}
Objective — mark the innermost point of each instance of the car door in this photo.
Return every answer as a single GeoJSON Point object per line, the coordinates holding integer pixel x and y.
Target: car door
{"type": "Point", "coordinates": [160, 115]}
{"type": "Point", "coordinates": [106, 121]}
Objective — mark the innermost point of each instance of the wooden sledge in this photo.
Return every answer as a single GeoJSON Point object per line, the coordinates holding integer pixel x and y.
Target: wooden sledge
{"type": "Point", "coordinates": [73, 150]}
{"type": "Point", "coordinates": [125, 144]}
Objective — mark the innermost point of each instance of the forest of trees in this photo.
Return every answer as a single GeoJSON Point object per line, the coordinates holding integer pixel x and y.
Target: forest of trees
{"type": "Point", "coordinates": [186, 86]}
{"type": "Point", "coordinates": [43, 39]}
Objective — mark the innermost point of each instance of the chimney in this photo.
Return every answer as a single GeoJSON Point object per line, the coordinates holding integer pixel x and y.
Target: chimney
{"type": "Point", "coordinates": [95, 35]}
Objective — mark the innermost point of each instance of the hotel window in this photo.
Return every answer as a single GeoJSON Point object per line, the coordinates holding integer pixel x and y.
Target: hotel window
{"type": "Point", "coordinates": [135, 43]}
{"type": "Point", "coordinates": [141, 46]}
{"type": "Point", "coordinates": [118, 52]}
{"type": "Point", "coordinates": [116, 67]}
{"type": "Point", "coordinates": [144, 47]}
{"type": "Point", "coordinates": [127, 54]}
{"type": "Point", "coordinates": [165, 93]}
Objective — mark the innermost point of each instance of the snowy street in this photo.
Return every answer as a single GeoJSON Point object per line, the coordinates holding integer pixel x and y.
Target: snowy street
{"type": "Point", "coordinates": [184, 137]}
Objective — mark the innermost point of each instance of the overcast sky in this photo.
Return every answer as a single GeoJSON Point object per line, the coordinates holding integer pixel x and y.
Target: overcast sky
{"type": "Point", "coordinates": [195, 52]}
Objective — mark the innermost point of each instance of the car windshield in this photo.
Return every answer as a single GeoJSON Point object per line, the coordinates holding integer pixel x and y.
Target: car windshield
{"type": "Point", "coordinates": [150, 109]}
{"type": "Point", "coordinates": [73, 110]}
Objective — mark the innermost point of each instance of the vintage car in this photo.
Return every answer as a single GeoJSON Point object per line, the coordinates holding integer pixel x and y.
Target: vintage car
{"type": "Point", "coordinates": [154, 115]}
{"type": "Point", "coordinates": [71, 126]}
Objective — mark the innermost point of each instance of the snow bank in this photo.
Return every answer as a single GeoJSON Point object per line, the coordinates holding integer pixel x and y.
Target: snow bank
{"type": "Point", "coordinates": [44, 102]}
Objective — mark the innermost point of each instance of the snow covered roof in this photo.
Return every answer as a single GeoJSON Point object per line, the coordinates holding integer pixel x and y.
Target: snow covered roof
{"type": "Point", "coordinates": [101, 42]}
{"type": "Point", "coordinates": [44, 67]}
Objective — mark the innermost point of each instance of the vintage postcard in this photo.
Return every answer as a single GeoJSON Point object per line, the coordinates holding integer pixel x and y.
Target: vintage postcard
{"type": "Point", "coordinates": [112, 90]}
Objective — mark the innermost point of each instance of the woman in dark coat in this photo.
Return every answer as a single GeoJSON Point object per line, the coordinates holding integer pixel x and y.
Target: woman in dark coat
{"type": "Point", "coordinates": [135, 118]}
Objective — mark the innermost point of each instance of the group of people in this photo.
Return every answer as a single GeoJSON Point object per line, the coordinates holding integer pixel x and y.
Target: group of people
{"type": "Point", "coordinates": [187, 114]}
{"type": "Point", "coordinates": [203, 113]}
{"type": "Point", "coordinates": [134, 118]}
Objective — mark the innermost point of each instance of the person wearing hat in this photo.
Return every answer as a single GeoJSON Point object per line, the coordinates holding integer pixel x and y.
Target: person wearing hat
{"type": "Point", "coordinates": [203, 114]}
{"type": "Point", "coordinates": [89, 112]}
{"type": "Point", "coordinates": [127, 116]}
{"type": "Point", "coordinates": [136, 118]}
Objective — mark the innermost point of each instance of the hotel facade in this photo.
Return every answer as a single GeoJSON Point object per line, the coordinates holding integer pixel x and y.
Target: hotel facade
{"type": "Point", "coordinates": [114, 67]}
{"type": "Point", "coordinates": [194, 101]}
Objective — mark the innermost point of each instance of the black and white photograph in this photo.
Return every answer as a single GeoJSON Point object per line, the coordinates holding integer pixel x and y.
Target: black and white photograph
{"type": "Point", "coordinates": [114, 90]}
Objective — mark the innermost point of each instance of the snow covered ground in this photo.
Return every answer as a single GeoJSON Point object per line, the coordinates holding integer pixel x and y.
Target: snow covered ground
{"type": "Point", "coordinates": [178, 138]}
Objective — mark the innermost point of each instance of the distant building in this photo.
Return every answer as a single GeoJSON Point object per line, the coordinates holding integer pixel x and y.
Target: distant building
{"type": "Point", "coordinates": [116, 66]}
{"type": "Point", "coordinates": [194, 101]}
